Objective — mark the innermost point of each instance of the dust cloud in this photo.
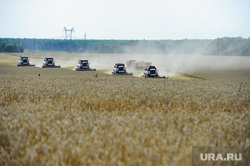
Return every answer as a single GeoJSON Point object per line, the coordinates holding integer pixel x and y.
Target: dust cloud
{"type": "Point", "coordinates": [167, 64]}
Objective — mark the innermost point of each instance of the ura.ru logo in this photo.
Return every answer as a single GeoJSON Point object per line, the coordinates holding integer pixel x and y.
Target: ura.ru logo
{"type": "Point", "coordinates": [220, 157]}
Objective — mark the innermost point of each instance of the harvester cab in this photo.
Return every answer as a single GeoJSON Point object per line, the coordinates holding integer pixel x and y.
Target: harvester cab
{"type": "Point", "coordinates": [152, 72]}
{"type": "Point", "coordinates": [49, 63]}
{"type": "Point", "coordinates": [24, 61]}
{"type": "Point", "coordinates": [119, 69]}
{"type": "Point", "coordinates": [83, 65]}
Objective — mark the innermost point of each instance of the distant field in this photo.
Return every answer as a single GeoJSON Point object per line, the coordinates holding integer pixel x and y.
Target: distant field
{"type": "Point", "coordinates": [64, 117]}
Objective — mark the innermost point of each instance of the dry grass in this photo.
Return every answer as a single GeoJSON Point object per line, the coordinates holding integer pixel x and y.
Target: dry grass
{"type": "Point", "coordinates": [72, 118]}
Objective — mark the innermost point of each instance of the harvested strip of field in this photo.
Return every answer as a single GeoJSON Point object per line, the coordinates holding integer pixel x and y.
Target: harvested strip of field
{"type": "Point", "coordinates": [8, 59]}
{"type": "Point", "coordinates": [172, 66]}
{"type": "Point", "coordinates": [224, 74]}
{"type": "Point", "coordinates": [64, 117]}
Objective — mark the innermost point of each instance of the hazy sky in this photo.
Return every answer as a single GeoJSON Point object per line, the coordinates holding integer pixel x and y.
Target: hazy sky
{"type": "Point", "coordinates": [125, 19]}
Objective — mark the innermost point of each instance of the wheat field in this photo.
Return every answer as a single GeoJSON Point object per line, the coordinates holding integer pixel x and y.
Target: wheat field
{"type": "Point", "coordinates": [63, 117]}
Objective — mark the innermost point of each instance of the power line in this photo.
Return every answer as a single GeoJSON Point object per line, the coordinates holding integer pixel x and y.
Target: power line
{"type": "Point", "coordinates": [68, 33]}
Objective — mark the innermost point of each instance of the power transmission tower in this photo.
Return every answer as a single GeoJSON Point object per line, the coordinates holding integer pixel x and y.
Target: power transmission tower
{"type": "Point", "coordinates": [68, 33]}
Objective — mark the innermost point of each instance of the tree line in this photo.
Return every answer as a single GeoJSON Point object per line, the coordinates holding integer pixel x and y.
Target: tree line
{"type": "Point", "coordinates": [112, 46]}
{"type": "Point", "coordinates": [220, 46]}
{"type": "Point", "coordinates": [15, 48]}
{"type": "Point", "coordinates": [229, 46]}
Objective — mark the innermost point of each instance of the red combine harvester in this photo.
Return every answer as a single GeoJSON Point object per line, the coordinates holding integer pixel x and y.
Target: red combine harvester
{"type": "Point", "coordinates": [140, 65]}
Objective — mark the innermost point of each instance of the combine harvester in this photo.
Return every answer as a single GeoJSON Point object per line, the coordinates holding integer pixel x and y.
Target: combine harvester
{"type": "Point", "coordinates": [151, 72]}
{"type": "Point", "coordinates": [24, 61]}
{"type": "Point", "coordinates": [141, 65]}
{"type": "Point", "coordinates": [83, 65]}
{"type": "Point", "coordinates": [49, 63]}
{"type": "Point", "coordinates": [119, 69]}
